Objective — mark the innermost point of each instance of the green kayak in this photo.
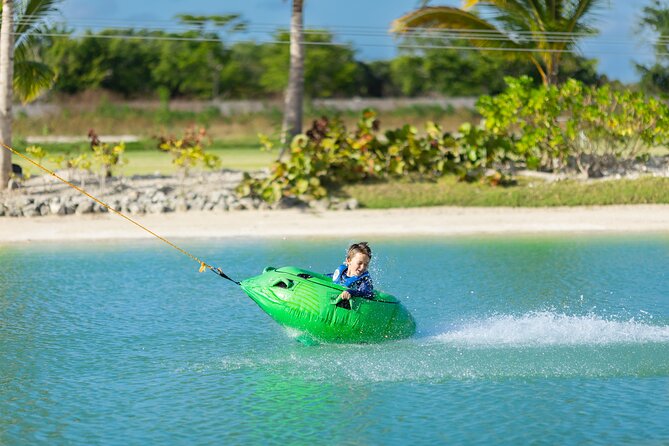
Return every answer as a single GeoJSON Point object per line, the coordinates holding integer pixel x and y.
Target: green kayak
{"type": "Point", "coordinates": [308, 302]}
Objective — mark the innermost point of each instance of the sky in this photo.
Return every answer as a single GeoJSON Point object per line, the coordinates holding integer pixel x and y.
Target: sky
{"type": "Point", "coordinates": [364, 23]}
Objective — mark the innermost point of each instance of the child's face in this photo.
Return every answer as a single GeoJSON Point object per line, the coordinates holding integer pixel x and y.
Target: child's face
{"type": "Point", "coordinates": [357, 264]}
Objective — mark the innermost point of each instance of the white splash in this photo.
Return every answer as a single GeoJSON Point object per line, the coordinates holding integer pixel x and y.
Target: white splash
{"type": "Point", "coordinates": [548, 328]}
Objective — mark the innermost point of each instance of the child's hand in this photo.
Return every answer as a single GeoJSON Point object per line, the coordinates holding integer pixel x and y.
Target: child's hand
{"type": "Point", "coordinates": [345, 295]}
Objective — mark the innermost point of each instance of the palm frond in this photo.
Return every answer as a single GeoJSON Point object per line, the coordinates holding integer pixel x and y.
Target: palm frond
{"type": "Point", "coordinates": [583, 8]}
{"type": "Point", "coordinates": [538, 29]}
{"type": "Point", "coordinates": [484, 34]}
{"type": "Point", "coordinates": [505, 7]}
{"type": "Point", "coordinates": [33, 13]}
{"type": "Point", "coordinates": [25, 47]}
{"type": "Point", "coordinates": [31, 78]}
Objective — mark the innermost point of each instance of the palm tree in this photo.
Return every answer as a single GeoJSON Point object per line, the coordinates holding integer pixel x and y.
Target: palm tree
{"type": "Point", "coordinates": [20, 71]}
{"type": "Point", "coordinates": [6, 90]}
{"type": "Point", "coordinates": [655, 19]}
{"type": "Point", "coordinates": [541, 30]}
{"type": "Point", "coordinates": [292, 114]}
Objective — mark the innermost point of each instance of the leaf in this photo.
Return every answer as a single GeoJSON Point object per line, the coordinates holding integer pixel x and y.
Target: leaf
{"type": "Point", "coordinates": [302, 186]}
{"type": "Point", "coordinates": [31, 79]}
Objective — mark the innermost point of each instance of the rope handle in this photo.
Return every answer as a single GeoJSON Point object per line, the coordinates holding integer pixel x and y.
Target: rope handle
{"type": "Point", "coordinates": [223, 275]}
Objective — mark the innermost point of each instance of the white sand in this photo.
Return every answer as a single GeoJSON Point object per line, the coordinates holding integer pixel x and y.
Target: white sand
{"type": "Point", "coordinates": [443, 221]}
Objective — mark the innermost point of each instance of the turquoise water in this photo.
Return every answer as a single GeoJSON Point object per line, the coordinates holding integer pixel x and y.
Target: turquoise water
{"type": "Point", "coordinates": [520, 340]}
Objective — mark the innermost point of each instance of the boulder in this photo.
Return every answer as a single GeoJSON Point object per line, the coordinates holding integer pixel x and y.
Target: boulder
{"type": "Point", "coordinates": [85, 207]}
{"type": "Point", "coordinates": [57, 208]}
{"type": "Point", "coordinates": [30, 210]}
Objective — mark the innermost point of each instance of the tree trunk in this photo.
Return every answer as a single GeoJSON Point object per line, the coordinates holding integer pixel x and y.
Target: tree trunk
{"type": "Point", "coordinates": [292, 114]}
{"type": "Point", "coordinates": [6, 89]}
{"type": "Point", "coordinates": [552, 69]}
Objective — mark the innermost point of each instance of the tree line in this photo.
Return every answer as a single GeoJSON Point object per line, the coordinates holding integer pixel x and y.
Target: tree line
{"type": "Point", "coordinates": [199, 64]}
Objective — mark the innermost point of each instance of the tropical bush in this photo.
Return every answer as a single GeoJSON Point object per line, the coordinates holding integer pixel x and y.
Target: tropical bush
{"type": "Point", "coordinates": [328, 156]}
{"type": "Point", "coordinates": [573, 125]}
{"type": "Point", "coordinates": [106, 157]}
{"type": "Point", "coordinates": [189, 151]}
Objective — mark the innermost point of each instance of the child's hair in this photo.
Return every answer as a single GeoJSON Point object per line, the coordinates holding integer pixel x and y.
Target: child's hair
{"type": "Point", "coordinates": [356, 248]}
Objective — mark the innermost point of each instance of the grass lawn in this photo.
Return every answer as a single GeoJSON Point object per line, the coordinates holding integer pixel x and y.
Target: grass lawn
{"type": "Point", "coordinates": [238, 159]}
{"type": "Point", "coordinates": [448, 191]}
{"type": "Point", "coordinates": [144, 157]}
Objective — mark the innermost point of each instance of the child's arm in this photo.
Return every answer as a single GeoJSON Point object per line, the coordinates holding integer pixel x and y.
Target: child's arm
{"type": "Point", "coordinates": [364, 289]}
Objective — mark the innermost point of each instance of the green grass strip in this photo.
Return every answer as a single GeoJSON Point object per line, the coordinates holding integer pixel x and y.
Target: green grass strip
{"type": "Point", "coordinates": [527, 193]}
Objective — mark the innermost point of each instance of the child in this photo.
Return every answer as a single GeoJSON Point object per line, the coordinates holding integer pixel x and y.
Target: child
{"type": "Point", "coordinates": [353, 273]}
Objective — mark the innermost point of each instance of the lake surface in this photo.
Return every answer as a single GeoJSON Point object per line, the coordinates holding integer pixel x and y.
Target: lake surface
{"type": "Point", "coordinates": [541, 340]}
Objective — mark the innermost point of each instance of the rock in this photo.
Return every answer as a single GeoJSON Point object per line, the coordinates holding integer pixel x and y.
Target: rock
{"type": "Point", "coordinates": [230, 199]}
{"type": "Point", "coordinates": [123, 204]}
{"type": "Point", "coordinates": [197, 203]}
{"type": "Point", "coordinates": [135, 208]}
{"type": "Point", "coordinates": [70, 207]}
{"type": "Point", "coordinates": [144, 202]}
{"type": "Point", "coordinates": [14, 211]}
{"type": "Point", "coordinates": [85, 207]}
{"type": "Point", "coordinates": [30, 211]}
{"type": "Point", "coordinates": [158, 197]}
{"type": "Point", "coordinates": [320, 205]}
{"type": "Point", "coordinates": [346, 205]}
{"type": "Point", "coordinates": [235, 206]}
{"type": "Point", "coordinates": [220, 206]}
{"type": "Point", "coordinates": [352, 204]}
{"type": "Point", "coordinates": [57, 208]}
{"type": "Point", "coordinates": [247, 203]}
{"type": "Point", "coordinates": [181, 205]}
{"type": "Point", "coordinates": [157, 208]}
{"type": "Point", "coordinates": [24, 201]}
{"type": "Point", "coordinates": [340, 205]}
{"type": "Point", "coordinates": [287, 203]}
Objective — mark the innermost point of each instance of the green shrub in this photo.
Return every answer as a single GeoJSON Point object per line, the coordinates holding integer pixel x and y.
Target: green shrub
{"type": "Point", "coordinates": [550, 127]}
{"type": "Point", "coordinates": [188, 151]}
{"type": "Point", "coordinates": [328, 156]}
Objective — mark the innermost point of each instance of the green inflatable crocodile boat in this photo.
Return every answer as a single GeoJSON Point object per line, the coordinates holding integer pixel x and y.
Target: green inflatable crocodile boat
{"type": "Point", "coordinates": [308, 302]}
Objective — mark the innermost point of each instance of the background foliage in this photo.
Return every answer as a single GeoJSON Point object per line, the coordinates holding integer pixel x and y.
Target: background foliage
{"type": "Point", "coordinates": [571, 127]}
{"type": "Point", "coordinates": [143, 63]}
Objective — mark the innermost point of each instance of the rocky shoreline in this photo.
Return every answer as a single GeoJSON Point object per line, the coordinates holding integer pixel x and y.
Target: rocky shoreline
{"type": "Point", "coordinates": [142, 194]}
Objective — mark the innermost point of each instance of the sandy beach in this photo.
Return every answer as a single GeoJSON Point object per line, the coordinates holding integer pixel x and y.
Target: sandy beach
{"type": "Point", "coordinates": [441, 221]}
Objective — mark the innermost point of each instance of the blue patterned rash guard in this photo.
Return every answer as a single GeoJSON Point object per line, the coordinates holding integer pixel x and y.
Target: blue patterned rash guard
{"type": "Point", "coordinates": [358, 286]}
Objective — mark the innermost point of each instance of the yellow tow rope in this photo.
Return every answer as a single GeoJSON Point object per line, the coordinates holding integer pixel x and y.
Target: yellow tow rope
{"type": "Point", "coordinates": [203, 265]}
